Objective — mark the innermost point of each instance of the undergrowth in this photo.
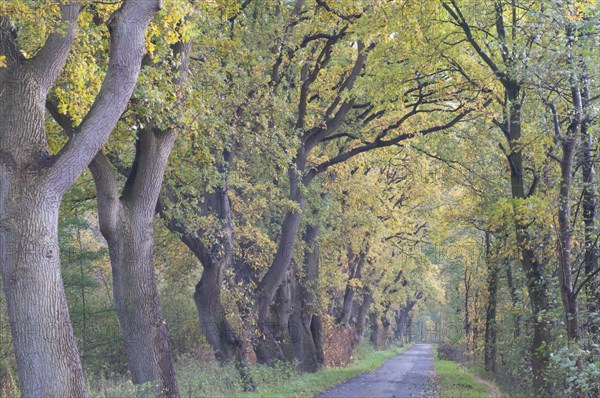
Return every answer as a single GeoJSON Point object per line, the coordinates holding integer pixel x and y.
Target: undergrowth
{"type": "Point", "coordinates": [208, 379]}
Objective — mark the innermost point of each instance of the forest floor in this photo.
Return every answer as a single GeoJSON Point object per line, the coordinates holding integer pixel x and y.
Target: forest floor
{"type": "Point", "coordinates": [410, 374]}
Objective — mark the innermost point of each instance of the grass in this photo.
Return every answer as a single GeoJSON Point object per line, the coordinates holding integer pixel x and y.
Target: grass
{"type": "Point", "coordinates": [208, 379]}
{"type": "Point", "coordinates": [310, 384]}
{"type": "Point", "coordinates": [456, 382]}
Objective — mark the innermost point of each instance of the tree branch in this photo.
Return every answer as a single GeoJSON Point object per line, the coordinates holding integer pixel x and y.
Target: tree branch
{"type": "Point", "coordinates": [127, 27]}
{"type": "Point", "coordinates": [49, 61]}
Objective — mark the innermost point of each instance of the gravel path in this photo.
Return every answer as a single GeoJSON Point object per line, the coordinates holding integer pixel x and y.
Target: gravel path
{"type": "Point", "coordinates": [410, 374]}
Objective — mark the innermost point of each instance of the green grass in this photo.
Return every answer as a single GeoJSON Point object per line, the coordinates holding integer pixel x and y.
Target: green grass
{"type": "Point", "coordinates": [310, 384]}
{"type": "Point", "coordinates": [208, 379]}
{"type": "Point", "coordinates": [456, 382]}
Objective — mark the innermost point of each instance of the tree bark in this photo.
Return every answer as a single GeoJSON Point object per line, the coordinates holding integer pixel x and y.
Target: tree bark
{"type": "Point", "coordinates": [215, 259]}
{"type": "Point", "coordinates": [590, 213]}
{"type": "Point", "coordinates": [306, 336]}
{"type": "Point", "coordinates": [565, 237]}
{"type": "Point", "coordinates": [363, 314]}
{"type": "Point", "coordinates": [267, 347]}
{"type": "Point", "coordinates": [565, 232]}
{"type": "Point", "coordinates": [126, 222]}
{"type": "Point", "coordinates": [402, 317]}
{"type": "Point", "coordinates": [533, 266]}
{"type": "Point", "coordinates": [514, 298]}
{"type": "Point", "coordinates": [356, 267]}
{"type": "Point", "coordinates": [490, 313]}
{"type": "Point", "coordinates": [32, 184]}
{"type": "Point", "coordinates": [299, 327]}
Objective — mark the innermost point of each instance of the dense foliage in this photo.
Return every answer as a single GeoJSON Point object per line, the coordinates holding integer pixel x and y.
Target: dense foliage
{"type": "Point", "coordinates": [339, 172]}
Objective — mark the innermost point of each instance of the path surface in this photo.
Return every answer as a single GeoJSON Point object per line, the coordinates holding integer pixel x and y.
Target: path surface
{"type": "Point", "coordinates": [410, 374]}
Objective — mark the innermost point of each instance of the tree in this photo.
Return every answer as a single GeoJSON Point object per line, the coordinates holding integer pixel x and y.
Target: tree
{"type": "Point", "coordinates": [334, 121]}
{"type": "Point", "coordinates": [508, 63]}
{"type": "Point", "coordinates": [34, 180]}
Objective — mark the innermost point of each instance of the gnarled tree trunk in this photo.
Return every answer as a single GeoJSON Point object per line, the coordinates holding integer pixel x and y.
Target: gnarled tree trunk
{"type": "Point", "coordinates": [305, 328]}
{"type": "Point", "coordinates": [356, 266]}
{"type": "Point", "coordinates": [266, 346]}
{"type": "Point", "coordinates": [215, 259]}
{"type": "Point", "coordinates": [363, 313]}
{"type": "Point", "coordinates": [126, 222]}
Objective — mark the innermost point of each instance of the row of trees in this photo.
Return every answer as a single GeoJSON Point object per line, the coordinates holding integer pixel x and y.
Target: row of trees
{"type": "Point", "coordinates": [533, 240]}
{"type": "Point", "coordinates": [295, 149]}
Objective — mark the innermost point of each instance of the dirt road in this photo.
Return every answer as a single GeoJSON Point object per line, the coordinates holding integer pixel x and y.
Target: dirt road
{"type": "Point", "coordinates": [410, 374]}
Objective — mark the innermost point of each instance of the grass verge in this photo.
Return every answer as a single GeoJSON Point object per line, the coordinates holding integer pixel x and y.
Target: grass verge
{"type": "Point", "coordinates": [456, 382]}
{"type": "Point", "coordinates": [208, 379]}
{"type": "Point", "coordinates": [310, 384]}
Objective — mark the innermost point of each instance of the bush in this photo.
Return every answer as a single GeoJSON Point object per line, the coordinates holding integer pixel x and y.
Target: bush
{"type": "Point", "coordinates": [450, 352]}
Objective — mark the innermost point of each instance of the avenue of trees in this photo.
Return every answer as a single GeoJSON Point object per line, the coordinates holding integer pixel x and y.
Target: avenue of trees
{"type": "Point", "coordinates": [279, 181]}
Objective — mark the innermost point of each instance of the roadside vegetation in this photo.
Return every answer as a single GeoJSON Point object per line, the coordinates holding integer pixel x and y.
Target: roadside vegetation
{"type": "Point", "coordinates": [208, 379]}
{"type": "Point", "coordinates": [244, 183]}
{"type": "Point", "coordinates": [455, 381]}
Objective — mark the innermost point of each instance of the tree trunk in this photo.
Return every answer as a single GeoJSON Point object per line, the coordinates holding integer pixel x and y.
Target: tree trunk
{"type": "Point", "coordinates": [216, 328]}
{"type": "Point", "coordinates": [281, 313]}
{"type": "Point", "coordinates": [47, 357]}
{"type": "Point", "coordinates": [308, 346]}
{"type": "Point", "coordinates": [374, 329]}
{"type": "Point", "coordinates": [490, 313]}
{"type": "Point", "coordinates": [312, 307]}
{"type": "Point", "coordinates": [565, 236]}
{"type": "Point", "coordinates": [467, 325]}
{"type": "Point", "coordinates": [565, 232]}
{"type": "Point", "coordinates": [512, 289]}
{"type": "Point", "coordinates": [589, 208]}
{"type": "Point", "coordinates": [533, 267]}
{"type": "Point", "coordinates": [32, 184]}
{"type": "Point", "coordinates": [363, 314]}
{"type": "Point", "coordinates": [266, 346]}
{"type": "Point", "coordinates": [299, 329]}
{"type": "Point", "coordinates": [402, 317]}
{"type": "Point", "coordinates": [127, 225]}
{"type": "Point", "coordinates": [356, 266]}
{"type": "Point", "coordinates": [316, 329]}
{"type": "Point", "coordinates": [215, 259]}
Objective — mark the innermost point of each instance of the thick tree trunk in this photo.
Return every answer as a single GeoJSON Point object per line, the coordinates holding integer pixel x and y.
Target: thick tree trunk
{"type": "Point", "coordinates": [374, 329]}
{"type": "Point", "coordinates": [311, 308]}
{"type": "Point", "coordinates": [266, 346]}
{"type": "Point", "coordinates": [316, 329]}
{"type": "Point", "coordinates": [47, 357]}
{"type": "Point", "coordinates": [281, 313]}
{"type": "Point", "coordinates": [356, 267]}
{"type": "Point", "coordinates": [363, 313]}
{"type": "Point", "coordinates": [138, 307]}
{"type": "Point", "coordinates": [490, 313]}
{"type": "Point", "coordinates": [299, 329]}
{"type": "Point", "coordinates": [402, 318]}
{"type": "Point", "coordinates": [306, 336]}
{"type": "Point", "coordinates": [215, 259]}
{"type": "Point", "coordinates": [216, 328]}
{"type": "Point", "coordinates": [533, 267]}
{"type": "Point", "coordinates": [127, 225]}
{"type": "Point", "coordinates": [32, 184]}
